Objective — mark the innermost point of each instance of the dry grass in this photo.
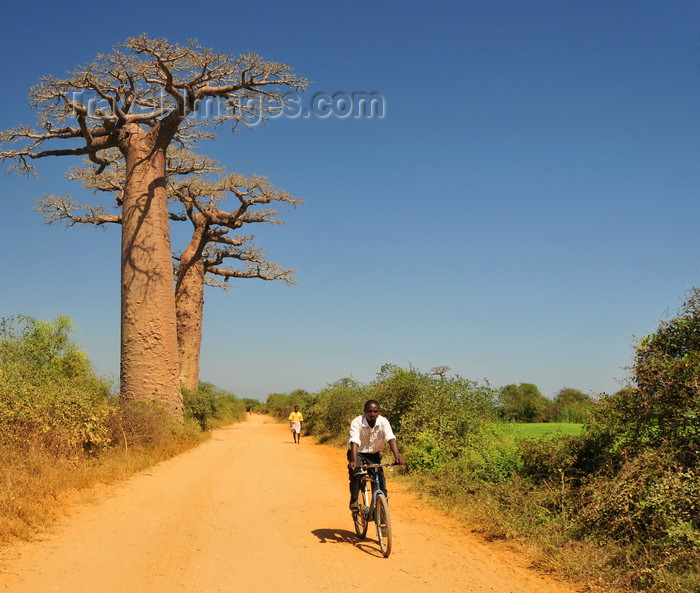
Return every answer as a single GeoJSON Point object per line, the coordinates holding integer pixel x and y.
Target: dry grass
{"type": "Point", "coordinates": [36, 488]}
{"type": "Point", "coordinates": [583, 564]}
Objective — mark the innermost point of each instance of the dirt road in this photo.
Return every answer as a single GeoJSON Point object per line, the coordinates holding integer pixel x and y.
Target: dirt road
{"type": "Point", "coordinates": [251, 512]}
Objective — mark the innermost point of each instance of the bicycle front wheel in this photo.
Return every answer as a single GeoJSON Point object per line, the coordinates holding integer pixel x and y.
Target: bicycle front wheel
{"type": "Point", "coordinates": [360, 518]}
{"type": "Point", "coordinates": [383, 519]}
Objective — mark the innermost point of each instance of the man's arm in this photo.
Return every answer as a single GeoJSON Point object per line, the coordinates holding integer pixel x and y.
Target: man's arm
{"type": "Point", "coordinates": [354, 448]}
{"type": "Point", "coordinates": [395, 450]}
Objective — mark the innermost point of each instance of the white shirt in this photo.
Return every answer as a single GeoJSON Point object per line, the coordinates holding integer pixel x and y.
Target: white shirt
{"type": "Point", "coordinates": [370, 439]}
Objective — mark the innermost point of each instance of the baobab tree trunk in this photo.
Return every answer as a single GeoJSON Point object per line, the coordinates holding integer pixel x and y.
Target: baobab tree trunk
{"type": "Point", "coordinates": [189, 302]}
{"type": "Point", "coordinates": [149, 353]}
{"type": "Point", "coordinates": [189, 305]}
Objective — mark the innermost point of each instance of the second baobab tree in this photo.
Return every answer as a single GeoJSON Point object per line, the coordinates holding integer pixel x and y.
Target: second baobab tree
{"type": "Point", "coordinates": [141, 99]}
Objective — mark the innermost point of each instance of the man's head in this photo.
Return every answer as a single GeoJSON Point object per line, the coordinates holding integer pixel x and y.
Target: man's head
{"type": "Point", "coordinates": [296, 408]}
{"type": "Point", "coordinates": [371, 411]}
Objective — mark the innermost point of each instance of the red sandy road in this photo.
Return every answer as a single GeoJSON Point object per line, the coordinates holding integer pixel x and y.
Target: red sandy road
{"type": "Point", "coordinates": [251, 512]}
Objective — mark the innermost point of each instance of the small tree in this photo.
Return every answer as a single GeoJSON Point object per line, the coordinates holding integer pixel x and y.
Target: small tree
{"type": "Point", "coordinates": [140, 99]}
{"type": "Point", "coordinates": [440, 371]}
{"type": "Point", "coordinates": [570, 405]}
{"type": "Point", "coordinates": [522, 403]}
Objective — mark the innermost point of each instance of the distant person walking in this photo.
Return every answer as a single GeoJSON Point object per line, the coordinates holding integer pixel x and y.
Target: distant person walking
{"type": "Point", "coordinates": [295, 422]}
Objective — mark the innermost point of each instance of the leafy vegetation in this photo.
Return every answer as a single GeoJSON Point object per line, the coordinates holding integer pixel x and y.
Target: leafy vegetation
{"type": "Point", "coordinates": [49, 395]}
{"type": "Point", "coordinates": [525, 403]}
{"type": "Point", "coordinates": [570, 406]}
{"type": "Point", "coordinates": [522, 403]}
{"type": "Point", "coordinates": [210, 406]}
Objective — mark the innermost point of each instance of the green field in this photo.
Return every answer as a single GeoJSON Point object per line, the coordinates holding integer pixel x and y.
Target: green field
{"type": "Point", "coordinates": [538, 429]}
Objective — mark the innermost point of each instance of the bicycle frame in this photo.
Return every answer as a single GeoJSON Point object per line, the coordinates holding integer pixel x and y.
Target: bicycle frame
{"type": "Point", "coordinates": [371, 479]}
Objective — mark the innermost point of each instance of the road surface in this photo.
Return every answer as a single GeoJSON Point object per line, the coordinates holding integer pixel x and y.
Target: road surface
{"type": "Point", "coordinates": [251, 512]}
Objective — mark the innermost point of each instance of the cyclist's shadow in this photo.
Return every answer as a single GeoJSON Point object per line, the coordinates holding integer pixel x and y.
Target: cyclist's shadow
{"type": "Point", "coordinates": [344, 536]}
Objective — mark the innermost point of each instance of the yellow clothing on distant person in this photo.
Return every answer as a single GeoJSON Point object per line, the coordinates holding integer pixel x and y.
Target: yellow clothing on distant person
{"type": "Point", "coordinates": [296, 417]}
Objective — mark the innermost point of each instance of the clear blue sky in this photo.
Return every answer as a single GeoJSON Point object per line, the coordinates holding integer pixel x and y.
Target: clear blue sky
{"type": "Point", "coordinates": [527, 205]}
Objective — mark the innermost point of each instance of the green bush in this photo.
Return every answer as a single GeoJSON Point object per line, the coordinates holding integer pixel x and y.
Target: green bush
{"type": "Point", "coordinates": [649, 497]}
{"type": "Point", "coordinates": [549, 458]}
{"type": "Point", "coordinates": [280, 405]}
{"type": "Point", "coordinates": [329, 413]}
{"type": "Point", "coordinates": [199, 405]}
{"type": "Point", "coordinates": [522, 403]}
{"type": "Point", "coordinates": [49, 395]}
{"type": "Point", "coordinates": [570, 405]}
{"type": "Point", "coordinates": [491, 454]}
{"type": "Point", "coordinates": [423, 408]}
{"type": "Point", "coordinates": [228, 408]}
{"type": "Point", "coordinates": [427, 453]}
{"type": "Point", "coordinates": [210, 405]}
{"type": "Point", "coordinates": [661, 409]}
{"type": "Point", "coordinates": [651, 507]}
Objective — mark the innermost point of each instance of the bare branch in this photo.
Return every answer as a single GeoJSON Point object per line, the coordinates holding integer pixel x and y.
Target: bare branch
{"type": "Point", "coordinates": [61, 209]}
{"type": "Point", "coordinates": [148, 83]}
{"type": "Point", "coordinates": [263, 271]}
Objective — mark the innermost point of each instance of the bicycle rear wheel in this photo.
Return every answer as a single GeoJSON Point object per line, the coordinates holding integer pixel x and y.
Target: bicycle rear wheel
{"type": "Point", "coordinates": [360, 518]}
{"type": "Point", "coordinates": [383, 519]}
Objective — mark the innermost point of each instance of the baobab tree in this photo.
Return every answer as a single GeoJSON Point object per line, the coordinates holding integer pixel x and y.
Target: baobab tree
{"type": "Point", "coordinates": [140, 99]}
{"type": "Point", "coordinates": [211, 246]}
{"type": "Point", "coordinates": [440, 371]}
{"type": "Point", "coordinates": [200, 199]}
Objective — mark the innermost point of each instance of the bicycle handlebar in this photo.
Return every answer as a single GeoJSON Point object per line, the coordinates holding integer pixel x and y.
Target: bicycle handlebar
{"type": "Point", "coordinates": [370, 465]}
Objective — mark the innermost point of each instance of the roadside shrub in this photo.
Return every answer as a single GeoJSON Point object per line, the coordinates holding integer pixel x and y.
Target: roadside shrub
{"type": "Point", "coordinates": [49, 395]}
{"type": "Point", "coordinates": [491, 454]}
{"type": "Point", "coordinates": [228, 408]}
{"type": "Point", "coordinates": [650, 498]}
{"type": "Point", "coordinates": [427, 453]}
{"type": "Point", "coordinates": [439, 420]}
{"type": "Point", "coordinates": [277, 405]}
{"type": "Point", "coordinates": [142, 424]}
{"type": "Point", "coordinates": [199, 405]}
{"type": "Point", "coordinates": [210, 405]}
{"type": "Point", "coordinates": [548, 458]}
{"type": "Point", "coordinates": [280, 405]}
{"type": "Point", "coordinates": [400, 393]}
{"type": "Point", "coordinates": [651, 507]}
{"type": "Point", "coordinates": [333, 408]}
{"type": "Point", "coordinates": [664, 410]}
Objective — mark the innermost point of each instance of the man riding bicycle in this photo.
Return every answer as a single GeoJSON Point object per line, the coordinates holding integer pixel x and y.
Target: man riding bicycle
{"type": "Point", "coordinates": [368, 435]}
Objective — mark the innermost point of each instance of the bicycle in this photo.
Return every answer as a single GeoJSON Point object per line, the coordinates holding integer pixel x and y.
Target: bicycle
{"type": "Point", "coordinates": [373, 506]}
